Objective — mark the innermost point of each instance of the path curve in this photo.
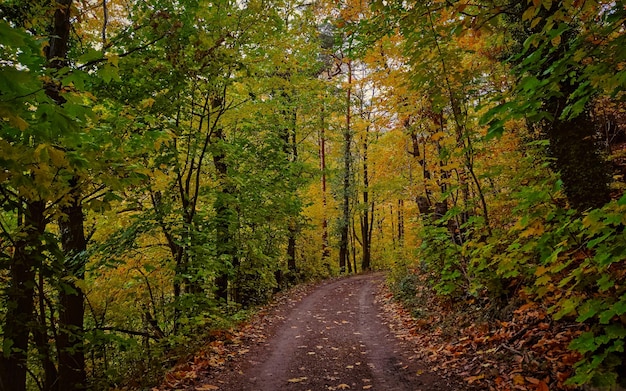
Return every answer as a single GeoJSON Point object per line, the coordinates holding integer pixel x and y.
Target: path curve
{"type": "Point", "coordinates": [334, 339]}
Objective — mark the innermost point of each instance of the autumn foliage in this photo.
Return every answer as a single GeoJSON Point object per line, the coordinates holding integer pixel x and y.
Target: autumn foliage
{"type": "Point", "coordinates": [168, 165]}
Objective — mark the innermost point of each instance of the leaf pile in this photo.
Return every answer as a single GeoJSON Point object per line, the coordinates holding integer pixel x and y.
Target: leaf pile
{"type": "Point", "coordinates": [527, 351]}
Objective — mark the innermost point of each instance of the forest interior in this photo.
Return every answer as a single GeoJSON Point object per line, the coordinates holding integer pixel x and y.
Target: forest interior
{"type": "Point", "coordinates": [169, 168]}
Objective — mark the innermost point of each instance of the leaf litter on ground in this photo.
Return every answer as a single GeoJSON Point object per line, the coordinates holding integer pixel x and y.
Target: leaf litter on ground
{"type": "Point", "coordinates": [516, 348]}
{"type": "Point", "coordinates": [224, 346]}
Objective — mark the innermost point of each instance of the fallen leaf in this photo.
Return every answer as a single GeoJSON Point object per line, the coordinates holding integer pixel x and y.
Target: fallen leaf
{"type": "Point", "coordinates": [532, 380]}
{"type": "Point", "coordinates": [297, 379]}
{"type": "Point", "coordinates": [518, 380]}
{"type": "Point", "coordinates": [207, 387]}
{"type": "Point", "coordinates": [367, 387]}
{"type": "Point", "coordinates": [472, 379]}
{"type": "Point", "coordinates": [343, 386]}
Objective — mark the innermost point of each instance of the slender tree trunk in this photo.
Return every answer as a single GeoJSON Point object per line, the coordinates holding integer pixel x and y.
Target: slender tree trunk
{"type": "Point", "coordinates": [345, 218]}
{"type": "Point", "coordinates": [291, 149]}
{"type": "Point", "coordinates": [70, 338]}
{"type": "Point", "coordinates": [291, 248]}
{"type": "Point", "coordinates": [226, 251]}
{"type": "Point", "coordinates": [175, 250]}
{"type": "Point", "coordinates": [365, 219]}
{"type": "Point", "coordinates": [353, 242]}
{"type": "Point", "coordinates": [401, 222]}
{"type": "Point", "coordinates": [325, 247]}
{"type": "Point", "coordinates": [41, 337]}
{"type": "Point", "coordinates": [20, 298]}
{"type": "Point", "coordinates": [70, 348]}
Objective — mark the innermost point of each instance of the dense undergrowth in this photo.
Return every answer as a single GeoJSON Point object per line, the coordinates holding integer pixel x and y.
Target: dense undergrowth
{"type": "Point", "coordinates": [558, 273]}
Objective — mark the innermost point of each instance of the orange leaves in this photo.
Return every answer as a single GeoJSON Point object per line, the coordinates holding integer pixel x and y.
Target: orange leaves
{"type": "Point", "coordinates": [225, 346]}
{"type": "Point", "coordinates": [526, 352]}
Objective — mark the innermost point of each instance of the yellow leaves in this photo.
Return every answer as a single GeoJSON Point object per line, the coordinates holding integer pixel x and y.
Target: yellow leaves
{"type": "Point", "coordinates": [518, 380]}
{"type": "Point", "coordinates": [438, 136]}
{"type": "Point", "coordinates": [207, 387]}
{"type": "Point", "coordinates": [14, 120]}
{"type": "Point", "coordinates": [532, 229]}
{"type": "Point", "coordinates": [297, 379]}
{"type": "Point", "coordinates": [146, 103]}
{"type": "Point", "coordinates": [114, 60]}
{"type": "Point", "coordinates": [541, 270]}
{"type": "Point", "coordinates": [48, 154]}
{"type": "Point", "coordinates": [530, 13]}
{"type": "Point", "coordinates": [547, 4]}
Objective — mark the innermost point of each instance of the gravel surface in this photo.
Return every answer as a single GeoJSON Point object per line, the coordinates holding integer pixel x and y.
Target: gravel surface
{"type": "Point", "coordinates": [335, 338]}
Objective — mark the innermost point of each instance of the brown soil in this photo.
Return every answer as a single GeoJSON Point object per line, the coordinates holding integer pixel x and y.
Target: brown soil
{"type": "Point", "coordinates": [336, 337]}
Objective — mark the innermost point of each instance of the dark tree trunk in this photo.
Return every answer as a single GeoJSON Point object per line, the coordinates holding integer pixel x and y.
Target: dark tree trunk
{"type": "Point", "coordinates": [20, 298]}
{"type": "Point", "coordinates": [325, 247]}
{"type": "Point", "coordinates": [401, 222]}
{"type": "Point", "coordinates": [291, 249]}
{"type": "Point", "coordinates": [291, 150]}
{"type": "Point", "coordinates": [41, 337]}
{"type": "Point", "coordinates": [578, 158]}
{"type": "Point", "coordinates": [175, 249]}
{"type": "Point", "coordinates": [70, 339]}
{"type": "Point", "coordinates": [365, 219]}
{"type": "Point", "coordinates": [225, 247]}
{"type": "Point", "coordinates": [584, 172]}
{"type": "Point", "coordinates": [347, 171]}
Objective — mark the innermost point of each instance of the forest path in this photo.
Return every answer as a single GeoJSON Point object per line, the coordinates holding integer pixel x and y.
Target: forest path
{"type": "Point", "coordinates": [334, 338]}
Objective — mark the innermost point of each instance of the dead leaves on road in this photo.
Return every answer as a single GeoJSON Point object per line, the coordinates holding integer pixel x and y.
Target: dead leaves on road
{"type": "Point", "coordinates": [226, 345]}
{"type": "Point", "coordinates": [297, 379]}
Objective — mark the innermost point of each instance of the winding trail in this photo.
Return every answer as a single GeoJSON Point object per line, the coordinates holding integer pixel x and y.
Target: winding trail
{"type": "Point", "coordinates": [335, 338]}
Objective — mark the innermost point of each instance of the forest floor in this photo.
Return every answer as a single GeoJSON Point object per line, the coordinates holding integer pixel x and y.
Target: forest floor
{"type": "Point", "coordinates": [350, 334]}
{"type": "Point", "coordinates": [331, 336]}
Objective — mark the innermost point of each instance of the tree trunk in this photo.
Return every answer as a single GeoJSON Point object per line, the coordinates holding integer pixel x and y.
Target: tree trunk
{"type": "Point", "coordinates": [578, 158]}
{"type": "Point", "coordinates": [345, 217]}
{"type": "Point", "coordinates": [70, 348]}
{"type": "Point", "coordinates": [584, 172]}
{"type": "Point", "coordinates": [70, 339]}
{"type": "Point", "coordinates": [20, 298]}
{"type": "Point", "coordinates": [225, 248]}
{"type": "Point", "coordinates": [291, 248]}
{"type": "Point", "coordinates": [365, 219]}
{"type": "Point", "coordinates": [325, 247]}
{"type": "Point", "coordinates": [291, 150]}
{"type": "Point", "coordinates": [41, 338]}
{"type": "Point", "coordinates": [401, 222]}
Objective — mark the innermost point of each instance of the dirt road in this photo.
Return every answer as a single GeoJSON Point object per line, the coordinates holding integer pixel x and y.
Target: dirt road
{"type": "Point", "coordinates": [335, 338]}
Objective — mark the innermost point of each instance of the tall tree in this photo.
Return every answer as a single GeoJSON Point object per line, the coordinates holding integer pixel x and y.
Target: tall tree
{"type": "Point", "coordinates": [70, 339]}
{"type": "Point", "coordinates": [346, 189]}
{"type": "Point", "coordinates": [559, 80]}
